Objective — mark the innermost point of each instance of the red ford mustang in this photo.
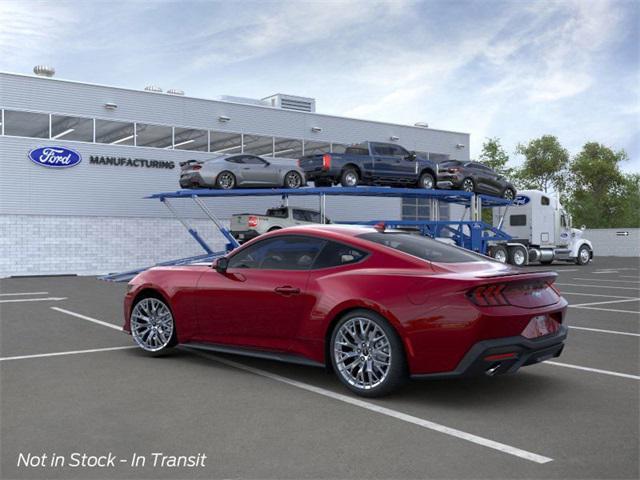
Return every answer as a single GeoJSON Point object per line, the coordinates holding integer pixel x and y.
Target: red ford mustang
{"type": "Point", "coordinates": [375, 306]}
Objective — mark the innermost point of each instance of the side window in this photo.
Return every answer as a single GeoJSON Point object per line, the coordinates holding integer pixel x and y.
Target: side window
{"type": "Point", "coordinates": [544, 201]}
{"type": "Point", "coordinates": [518, 220]}
{"type": "Point", "coordinates": [300, 215]}
{"type": "Point", "coordinates": [398, 151]}
{"type": "Point", "coordinates": [335, 254]}
{"type": "Point", "coordinates": [281, 253]}
{"type": "Point", "coordinates": [252, 160]}
{"type": "Point", "coordinates": [237, 159]}
{"type": "Point", "coordinates": [563, 220]}
{"type": "Point", "coordinates": [313, 216]}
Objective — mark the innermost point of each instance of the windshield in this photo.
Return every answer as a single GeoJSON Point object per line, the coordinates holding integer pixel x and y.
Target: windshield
{"type": "Point", "coordinates": [423, 247]}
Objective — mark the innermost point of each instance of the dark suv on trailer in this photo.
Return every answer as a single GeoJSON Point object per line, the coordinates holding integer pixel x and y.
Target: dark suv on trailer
{"type": "Point", "coordinates": [474, 177]}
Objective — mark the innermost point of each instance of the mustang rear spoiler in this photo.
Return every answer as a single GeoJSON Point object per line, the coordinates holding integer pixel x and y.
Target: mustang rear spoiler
{"type": "Point", "coordinates": [188, 162]}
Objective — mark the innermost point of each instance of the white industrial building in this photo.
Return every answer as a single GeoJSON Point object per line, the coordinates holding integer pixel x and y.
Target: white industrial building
{"type": "Point", "coordinates": [93, 218]}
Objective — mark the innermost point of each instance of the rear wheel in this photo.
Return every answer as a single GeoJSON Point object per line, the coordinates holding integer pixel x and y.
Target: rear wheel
{"type": "Point", "coordinates": [509, 194]}
{"type": "Point", "coordinates": [426, 181]}
{"type": "Point", "coordinates": [499, 253]}
{"type": "Point", "coordinates": [293, 179]}
{"type": "Point", "coordinates": [517, 256]}
{"type": "Point", "coordinates": [152, 325]}
{"type": "Point", "coordinates": [367, 354]}
{"type": "Point", "coordinates": [226, 180]}
{"type": "Point", "coordinates": [349, 178]}
{"type": "Point", "coordinates": [468, 185]}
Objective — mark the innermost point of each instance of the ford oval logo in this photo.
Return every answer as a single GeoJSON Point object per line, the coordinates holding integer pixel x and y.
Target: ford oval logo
{"type": "Point", "coordinates": [521, 200]}
{"type": "Point", "coordinates": [55, 157]}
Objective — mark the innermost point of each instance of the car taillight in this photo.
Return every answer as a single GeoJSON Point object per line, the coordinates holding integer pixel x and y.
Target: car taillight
{"type": "Point", "coordinates": [488, 295]}
{"type": "Point", "coordinates": [196, 167]}
{"type": "Point", "coordinates": [299, 163]}
{"type": "Point", "coordinates": [454, 170]}
{"type": "Point", "coordinates": [253, 221]}
{"type": "Point", "coordinates": [326, 161]}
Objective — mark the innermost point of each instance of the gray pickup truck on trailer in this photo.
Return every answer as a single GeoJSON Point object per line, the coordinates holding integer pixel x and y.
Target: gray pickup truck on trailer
{"type": "Point", "coordinates": [371, 163]}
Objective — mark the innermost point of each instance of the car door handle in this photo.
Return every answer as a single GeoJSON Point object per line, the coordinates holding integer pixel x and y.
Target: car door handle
{"type": "Point", "coordinates": [287, 290]}
{"type": "Point", "coordinates": [246, 168]}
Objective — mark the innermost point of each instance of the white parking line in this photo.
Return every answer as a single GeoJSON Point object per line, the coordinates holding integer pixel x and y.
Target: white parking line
{"type": "Point", "coordinates": [604, 272]}
{"type": "Point", "coordinates": [485, 442]}
{"type": "Point", "coordinates": [72, 352]}
{"type": "Point", "coordinates": [595, 370]}
{"type": "Point", "coordinates": [606, 309]}
{"type": "Point", "coordinates": [599, 330]}
{"type": "Point", "coordinates": [567, 270]}
{"type": "Point", "coordinates": [47, 299]}
{"type": "Point", "coordinates": [605, 280]}
{"type": "Point", "coordinates": [22, 293]}
{"type": "Point", "coordinates": [593, 295]}
{"type": "Point", "coordinates": [598, 286]}
{"type": "Point", "coordinates": [603, 303]}
{"type": "Point", "coordinates": [89, 319]}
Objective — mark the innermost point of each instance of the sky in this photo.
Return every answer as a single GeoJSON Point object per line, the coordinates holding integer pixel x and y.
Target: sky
{"type": "Point", "coordinates": [515, 70]}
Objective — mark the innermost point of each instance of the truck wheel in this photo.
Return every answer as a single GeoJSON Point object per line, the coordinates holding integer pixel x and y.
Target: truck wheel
{"type": "Point", "coordinates": [426, 181]}
{"type": "Point", "coordinates": [499, 253]}
{"type": "Point", "coordinates": [226, 180]}
{"type": "Point", "coordinates": [349, 178]}
{"type": "Point", "coordinates": [584, 255]}
{"type": "Point", "coordinates": [517, 256]}
{"type": "Point", "coordinates": [468, 185]}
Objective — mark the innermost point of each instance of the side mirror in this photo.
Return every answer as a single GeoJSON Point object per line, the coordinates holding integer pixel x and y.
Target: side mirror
{"type": "Point", "coordinates": [583, 227]}
{"type": "Point", "coordinates": [411, 156]}
{"type": "Point", "coordinates": [221, 265]}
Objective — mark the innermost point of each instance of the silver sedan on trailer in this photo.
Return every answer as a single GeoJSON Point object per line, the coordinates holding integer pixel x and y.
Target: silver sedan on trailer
{"type": "Point", "coordinates": [241, 170]}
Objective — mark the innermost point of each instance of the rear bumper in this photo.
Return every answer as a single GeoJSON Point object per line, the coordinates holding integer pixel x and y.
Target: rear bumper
{"type": "Point", "coordinates": [192, 180]}
{"type": "Point", "coordinates": [244, 235]}
{"type": "Point", "coordinates": [527, 352]}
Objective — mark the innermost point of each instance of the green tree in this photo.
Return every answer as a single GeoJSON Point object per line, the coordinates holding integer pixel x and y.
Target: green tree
{"type": "Point", "coordinates": [494, 156]}
{"type": "Point", "coordinates": [545, 164]}
{"type": "Point", "coordinates": [600, 195]}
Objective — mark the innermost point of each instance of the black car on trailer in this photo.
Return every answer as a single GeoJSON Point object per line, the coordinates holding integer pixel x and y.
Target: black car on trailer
{"type": "Point", "coordinates": [474, 177]}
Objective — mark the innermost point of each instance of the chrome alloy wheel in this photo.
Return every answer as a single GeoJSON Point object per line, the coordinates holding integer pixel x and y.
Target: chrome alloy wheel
{"type": "Point", "coordinates": [467, 185]}
{"type": "Point", "coordinates": [508, 194]}
{"type": "Point", "coordinates": [151, 324]}
{"type": "Point", "coordinates": [351, 179]}
{"type": "Point", "coordinates": [293, 180]}
{"type": "Point", "coordinates": [584, 255]}
{"type": "Point", "coordinates": [226, 180]}
{"type": "Point", "coordinates": [362, 353]}
{"type": "Point", "coordinates": [519, 257]}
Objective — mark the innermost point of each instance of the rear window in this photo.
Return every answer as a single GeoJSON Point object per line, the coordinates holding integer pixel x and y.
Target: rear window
{"type": "Point", "coordinates": [422, 247]}
{"type": "Point", "coordinates": [357, 151]}
{"type": "Point", "coordinates": [277, 212]}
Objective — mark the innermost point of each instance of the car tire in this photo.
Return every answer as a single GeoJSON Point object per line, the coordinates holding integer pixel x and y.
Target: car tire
{"type": "Point", "coordinates": [584, 255]}
{"type": "Point", "coordinates": [368, 369]}
{"type": "Point", "coordinates": [349, 178]}
{"type": "Point", "coordinates": [509, 194]}
{"type": "Point", "coordinates": [500, 254]}
{"type": "Point", "coordinates": [293, 180]}
{"type": "Point", "coordinates": [226, 180]}
{"type": "Point", "coordinates": [152, 325]}
{"type": "Point", "coordinates": [273, 229]}
{"type": "Point", "coordinates": [468, 185]}
{"type": "Point", "coordinates": [427, 181]}
{"type": "Point", "coordinates": [518, 256]}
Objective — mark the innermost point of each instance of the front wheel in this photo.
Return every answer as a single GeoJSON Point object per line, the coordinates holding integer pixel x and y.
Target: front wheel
{"type": "Point", "coordinates": [426, 181]}
{"type": "Point", "coordinates": [584, 255]}
{"type": "Point", "coordinates": [367, 354]}
{"type": "Point", "coordinates": [152, 325]}
{"type": "Point", "coordinates": [293, 179]}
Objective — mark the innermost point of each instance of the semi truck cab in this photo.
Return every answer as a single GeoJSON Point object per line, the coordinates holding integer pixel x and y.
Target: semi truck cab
{"type": "Point", "coordinates": [541, 231]}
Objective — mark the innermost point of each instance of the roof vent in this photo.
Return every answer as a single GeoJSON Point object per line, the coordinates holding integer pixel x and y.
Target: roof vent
{"type": "Point", "coordinates": [153, 88]}
{"type": "Point", "coordinates": [175, 91]}
{"type": "Point", "coordinates": [44, 71]}
{"type": "Point", "coordinates": [292, 102]}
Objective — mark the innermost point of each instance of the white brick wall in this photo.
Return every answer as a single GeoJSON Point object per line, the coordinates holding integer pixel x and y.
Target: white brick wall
{"type": "Point", "coordinates": [45, 245]}
{"type": "Point", "coordinates": [611, 242]}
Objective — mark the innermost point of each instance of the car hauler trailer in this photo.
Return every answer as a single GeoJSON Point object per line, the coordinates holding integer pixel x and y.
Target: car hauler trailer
{"type": "Point", "coordinates": [540, 230]}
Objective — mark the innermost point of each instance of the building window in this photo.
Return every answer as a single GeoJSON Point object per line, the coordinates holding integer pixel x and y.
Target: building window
{"type": "Point", "coordinates": [287, 148]}
{"type": "Point", "coordinates": [191, 139]}
{"type": "Point", "coordinates": [71, 128]}
{"type": "Point", "coordinates": [114, 133]}
{"type": "Point", "coordinates": [225, 143]}
{"type": "Point", "coordinates": [313, 148]}
{"type": "Point", "coordinates": [157, 136]}
{"type": "Point", "coordinates": [258, 145]}
{"type": "Point", "coordinates": [26, 124]}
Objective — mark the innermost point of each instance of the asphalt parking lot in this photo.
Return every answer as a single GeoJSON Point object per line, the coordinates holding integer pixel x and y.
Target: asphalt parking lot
{"type": "Point", "coordinates": [70, 382]}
